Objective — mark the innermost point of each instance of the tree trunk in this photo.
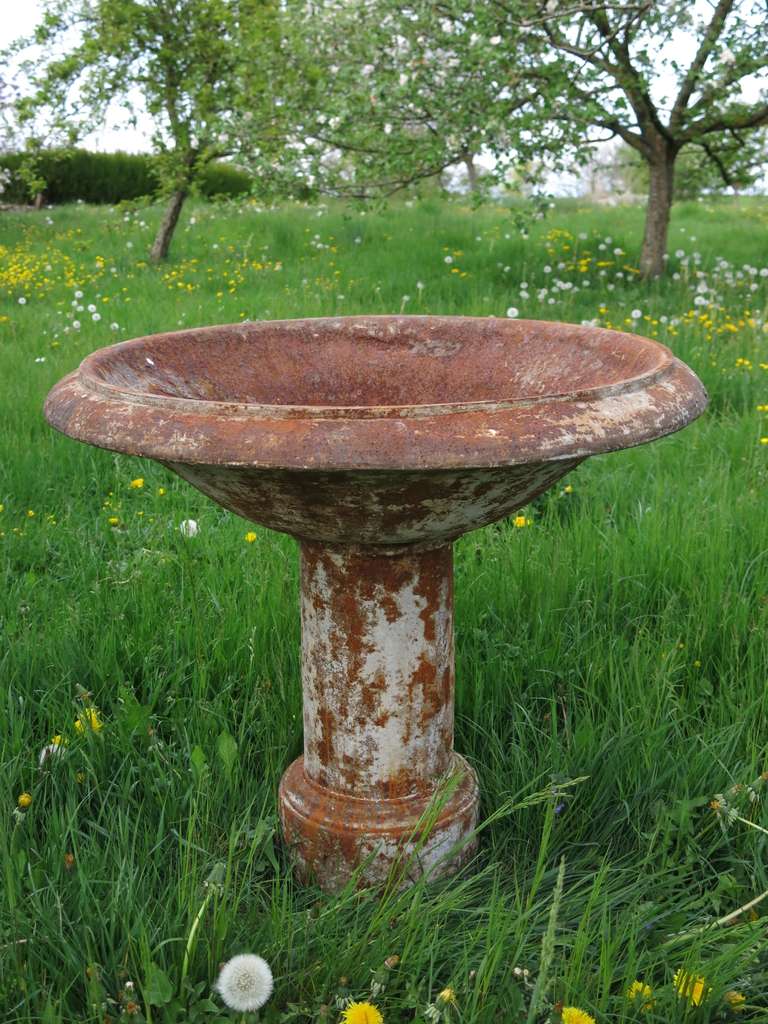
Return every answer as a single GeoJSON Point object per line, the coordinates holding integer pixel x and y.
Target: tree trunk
{"type": "Point", "coordinates": [39, 200]}
{"type": "Point", "coordinates": [660, 192]}
{"type": "Point", "coordinates": [162, 242]}
{"type": "Point", "coordinates": [469, 163]}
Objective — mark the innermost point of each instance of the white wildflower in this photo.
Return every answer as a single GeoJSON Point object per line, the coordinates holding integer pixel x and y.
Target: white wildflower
{"type": "Point", "coordinates": [189, 528]}
{"type": "Point", "coordinates": [245, 983]}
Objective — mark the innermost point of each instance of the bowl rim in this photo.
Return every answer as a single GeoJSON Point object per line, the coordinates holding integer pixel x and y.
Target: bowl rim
{"type": "Point", "coordinates": [298, 410]}
{"type": "Point", "coordinates": [434, 436]}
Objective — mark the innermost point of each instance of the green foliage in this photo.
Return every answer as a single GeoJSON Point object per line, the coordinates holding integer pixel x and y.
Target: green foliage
{"type": "Point", "coordinates": [739, 167]}
{"type": "Point", "coordinates": [395, 94]}
{"type": "Point", "coordinates": [69, 175]}
{"type": "Point", "coordinates": [622, 636]}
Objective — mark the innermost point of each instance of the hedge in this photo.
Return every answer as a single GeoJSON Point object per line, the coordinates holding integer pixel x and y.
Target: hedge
{"type": "Point", "coordinates": [74, 174]}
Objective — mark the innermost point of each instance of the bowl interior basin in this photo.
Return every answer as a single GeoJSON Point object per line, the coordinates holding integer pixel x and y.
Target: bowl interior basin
{"type": "Point", "coordinates": [375, 362]}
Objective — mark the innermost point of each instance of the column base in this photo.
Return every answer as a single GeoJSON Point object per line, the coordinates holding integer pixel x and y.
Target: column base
{"type": "Point", "coordinates": [331, 835]}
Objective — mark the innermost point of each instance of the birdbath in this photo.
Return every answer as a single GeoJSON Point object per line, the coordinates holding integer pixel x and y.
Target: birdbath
{"type": "Point", "coordinates": [376, 441]}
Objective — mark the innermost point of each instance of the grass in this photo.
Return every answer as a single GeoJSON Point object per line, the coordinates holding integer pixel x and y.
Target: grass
{"type": "Point", "coordinates": [620, 639]}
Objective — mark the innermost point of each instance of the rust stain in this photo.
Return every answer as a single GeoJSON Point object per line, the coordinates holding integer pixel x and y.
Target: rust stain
{"type": "Point", "coordinates": [376, 441]}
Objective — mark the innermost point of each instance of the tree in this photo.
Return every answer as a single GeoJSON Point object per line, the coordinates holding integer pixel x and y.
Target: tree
{"type": "Point", "coordinates": [739, 166]}
{"type": "Point", "coordinates": [615, 56]}
{"type": "Point", "coordinates": [396, 93]}
{"type": "Point", "coordinates": [190, 64]}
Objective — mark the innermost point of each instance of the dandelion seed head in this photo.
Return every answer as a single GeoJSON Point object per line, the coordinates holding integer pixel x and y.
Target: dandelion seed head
{"type": "Point", "coordinates": [189, 528]}
{"type": "Point", "coordinates": [245, 982]}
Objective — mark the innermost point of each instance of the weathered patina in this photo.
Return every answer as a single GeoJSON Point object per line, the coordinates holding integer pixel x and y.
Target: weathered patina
{"type": "Point", "coordinates": [376, 441]}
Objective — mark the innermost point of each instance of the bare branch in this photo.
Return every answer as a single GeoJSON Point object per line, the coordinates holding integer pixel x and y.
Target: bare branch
{"type": "Point", "coordinates": [724, 123]}
{"type": "Point", "coordinates": [715, 159]}
{"type": "Point", "coordinates": [712, 34]}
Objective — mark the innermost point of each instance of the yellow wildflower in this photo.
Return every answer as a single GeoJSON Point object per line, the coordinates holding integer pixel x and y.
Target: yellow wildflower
{"type": "Point", "coordinates": [138, 483]}
{"type": "Point", "coordinates": [31, 513]}
{"type": "Point", "coordinates": [25, 799]}
{"type": "Point", "coordinates": [573, 1015]}
{"type": "Point", "coordinates": [88, 717]}
{"type": "Point", "coordinates": [641, 992]}
{"type": "Point", "coordinates": [447, 996]}
{"type": "Point", "coordinates": [568, 489]}
{"type": "Point", "coordinates": [521, 521]}
{"type": "Point", "coordinates": [250, 536]}
{"type": "Point", "coordinates": [691, 987]}
{"type": "Point", "coordinates": [161, 491]}
{"type": "Point", "coordinates": [362, 1013]}
{"type": "Point", "coordinates": [113, 520]}
{"type": "Point", "coordinates": [764, 440]}
{"type": "Point", "coordinates": [735, 1000]}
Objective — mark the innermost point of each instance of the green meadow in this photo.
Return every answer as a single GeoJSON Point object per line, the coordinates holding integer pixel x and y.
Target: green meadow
{"type": "Point", "coordinates": [611, 647]}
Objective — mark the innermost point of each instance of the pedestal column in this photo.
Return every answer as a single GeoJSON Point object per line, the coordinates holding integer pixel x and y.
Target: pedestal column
{"type": "Point", "coordinates": [379, 784]}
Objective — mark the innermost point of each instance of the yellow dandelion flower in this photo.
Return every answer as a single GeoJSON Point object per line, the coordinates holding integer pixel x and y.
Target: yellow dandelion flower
{"type": "Point", "coordinates": [88, 717]}
{"type": "Point", "coordinates": [638, 991]}
{"type": "Point", "coordinates": [362, 1013]}
{"type": "Point", "coordinates": [573, 1015]}
{"type": "Point", "coordinates": [161, 491]}
{"type": "Point", "coordinates": [521, 521]}
{"type": "Point", "coordinates": [31, 513]}
{"type": "Point", "coordinates": [568, 489]}
{"type": "Point", "coordinates": [764, 440]}
{"type": "Point", "coordinates": [138, 483]}
{"type": "Point", "coordinates": [250, 536]}
{"type": "Point", "coordinates": [735, 1000]}
{"type": "Point", "coordinates": [691, 987]}
{"type": "Point", "coordinates": [448, 996]}
{"type": "Point", "coordinates": [25, 799]}
{"type": "Point", "coordinates": [113, 520]}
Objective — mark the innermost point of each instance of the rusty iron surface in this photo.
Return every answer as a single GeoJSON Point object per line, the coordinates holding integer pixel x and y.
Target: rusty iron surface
{"type": "Point", "coordinates": [374, 506]}
{"type": "Point", "coordinates": [377, 666]}
{"type": "Point", "coordinates": [380, 392]}
{"type": "Point", "coordinates": [378, 679]}
{"type": "Point", "coordinates": [331, 835]}
{"type": "Point", "coordinates": [376, 441]}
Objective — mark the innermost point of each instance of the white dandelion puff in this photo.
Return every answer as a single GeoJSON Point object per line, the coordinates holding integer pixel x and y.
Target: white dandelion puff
{"type": "Point", "coordinates": [189, 528]}
{"type": "Point", "coordinates": [245, 982]}
{"type": "Point", "coordinates": [50, 751]}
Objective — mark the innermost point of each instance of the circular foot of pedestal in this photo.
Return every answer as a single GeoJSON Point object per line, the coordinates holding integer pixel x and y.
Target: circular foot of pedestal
{"type": "Point", "coordinates": [331, 835]}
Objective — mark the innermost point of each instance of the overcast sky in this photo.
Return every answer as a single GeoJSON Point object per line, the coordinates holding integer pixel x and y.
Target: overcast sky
{"type": "Point", "coordinates": [19, 19]}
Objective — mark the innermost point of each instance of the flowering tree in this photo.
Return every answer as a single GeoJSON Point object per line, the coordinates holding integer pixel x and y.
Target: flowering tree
{"type": "Point", "coordinates": [396, 93]}
{"type": "Point", "coordinates": [618, 57]}
{"type": "Point", "coordinates": [190, 64]}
